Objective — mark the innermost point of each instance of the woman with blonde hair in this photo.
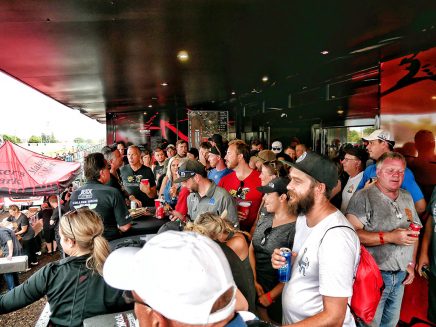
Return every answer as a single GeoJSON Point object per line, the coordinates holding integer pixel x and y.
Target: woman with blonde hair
{"type": "Point", "coordinates": [169, 190]}
{"type": "Point", "coordinates": [235, 247]}
{"type": "Point", "coordinates": [74, 286]}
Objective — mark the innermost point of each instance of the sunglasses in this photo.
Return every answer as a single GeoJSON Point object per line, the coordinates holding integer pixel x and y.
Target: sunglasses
{"type": "Point", "coordinates": [68, 215]}
{"type": "Point", "coordinates": [277, 149]}
{"type": "Point", "coordinates": [240, 189]}
{"type": "Point", "coordinates": [130, 298]}
{"type": "Point", "coordinates": [266, 233]}
{"type": "Point", "coordinates": [397, 210]}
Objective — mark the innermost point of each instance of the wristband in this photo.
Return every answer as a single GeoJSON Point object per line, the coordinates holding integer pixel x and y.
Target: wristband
{"type": "Point", "coordinates": [380, 235]}
{"type": "Point", "coordinates": [268, 296]}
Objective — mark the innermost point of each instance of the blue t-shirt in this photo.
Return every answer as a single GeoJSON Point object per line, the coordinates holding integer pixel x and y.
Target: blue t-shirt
{"type": "Point", "coordinates": [409, 183]}
{"type": "Point", "coordinates": [216, 175]}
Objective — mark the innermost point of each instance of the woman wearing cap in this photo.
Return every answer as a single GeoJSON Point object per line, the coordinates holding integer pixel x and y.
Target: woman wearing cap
{"type": "Point", "coordinates": [272, 231]}
{"type": "Point", "coordinates": [169, 190]}
{"type": "Point", "coordinates": [221, 230]}
{"type": "Point", "coordinates": [269, 171]}
{"type": "Point", "coordinates": [74, 286]}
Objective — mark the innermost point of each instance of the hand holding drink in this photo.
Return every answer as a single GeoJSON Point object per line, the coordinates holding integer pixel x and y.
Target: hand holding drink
{"type": "Point", "coordinates": [243, 209]}
{"type": "Point", "coordinates": [416, 227]}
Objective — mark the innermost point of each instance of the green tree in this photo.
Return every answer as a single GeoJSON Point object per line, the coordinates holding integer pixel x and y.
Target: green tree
{"type": "Point", "coordinates": [353, 136]}
{"type": "Point", "coordinates": [35, 139]}
{"type": "Point", "coordinates": [12, 138]}
{"type": "Point", "coordinates": [52, 138]}
{"type": "Point", "coordinates": [79, 140]}
{"type": "Point", "coordinates": [368, 131]}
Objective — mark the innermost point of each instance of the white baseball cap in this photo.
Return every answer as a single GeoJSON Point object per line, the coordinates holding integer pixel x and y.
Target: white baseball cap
{"type": "Point", "coordinates": [381, 135]}
{"type": "Point", "coordinates": [178, 274]}
{"type": "Point", "coordinates": [275, 146]}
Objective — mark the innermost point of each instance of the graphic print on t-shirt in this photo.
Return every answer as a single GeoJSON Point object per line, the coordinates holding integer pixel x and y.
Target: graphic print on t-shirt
{"type": "Point", "coordinates": [134, 179]}
{"type": "Point", "coordinates": [303, 263]}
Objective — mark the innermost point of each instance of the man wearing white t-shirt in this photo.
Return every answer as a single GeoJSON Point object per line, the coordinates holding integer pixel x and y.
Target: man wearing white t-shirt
{"type": "Point", "coordinates": [354, 164]}
{"type": "Point", "coordinates": [321, 284]}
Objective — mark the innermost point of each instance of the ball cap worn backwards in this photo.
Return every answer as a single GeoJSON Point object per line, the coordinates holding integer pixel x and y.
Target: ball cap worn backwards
{"type": "Point", "coordinates": [178, 274]}
{"type": "Point", "coordinates": [318, 167]}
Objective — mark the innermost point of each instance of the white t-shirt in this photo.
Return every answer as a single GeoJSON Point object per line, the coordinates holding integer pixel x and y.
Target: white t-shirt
{"type": "Point", "coordinates": [321, 270]}
{"type": "Point", "coordinates": [349, 190]}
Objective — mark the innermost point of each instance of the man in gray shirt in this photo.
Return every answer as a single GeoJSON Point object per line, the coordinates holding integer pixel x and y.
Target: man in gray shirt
{"type": "Point", "coordinates": [205, 195]}
{"type": "Point", "coordinates": [381, 215]}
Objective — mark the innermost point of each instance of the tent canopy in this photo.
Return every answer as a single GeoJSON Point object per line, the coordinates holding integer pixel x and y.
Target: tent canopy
{"type": "Point", "coordinates": [24, 172]}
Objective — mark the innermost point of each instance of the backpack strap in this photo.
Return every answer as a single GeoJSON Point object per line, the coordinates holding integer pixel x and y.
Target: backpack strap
{"type": "Point", "coordinates": [333, 228]}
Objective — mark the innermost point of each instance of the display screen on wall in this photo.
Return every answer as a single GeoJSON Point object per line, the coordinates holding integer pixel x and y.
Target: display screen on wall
{"type": "Point", "coordinates": [408, 95]}
{"type": "Point", "coordinates": [203, 124]}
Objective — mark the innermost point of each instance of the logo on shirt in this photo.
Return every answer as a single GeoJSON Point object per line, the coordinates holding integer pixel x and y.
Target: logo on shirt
{"type": "Point", "coordinates": [303, 263]}
{"type": "Point", "coordinates": [85, 194]}
{"type": "Point", "coordinates": [134, 178]}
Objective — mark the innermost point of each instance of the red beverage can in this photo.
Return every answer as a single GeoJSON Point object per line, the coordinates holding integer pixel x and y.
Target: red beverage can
{"type": "Point", "coordinates": [415, 226]}
{"type": "Point", "coordinates": [160, 212]}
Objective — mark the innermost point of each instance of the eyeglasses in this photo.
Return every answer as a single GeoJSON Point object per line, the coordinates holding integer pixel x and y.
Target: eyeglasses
{"type": "Point", "coordinates": [266, 233]}
{"type": "Point", "coordinates": [350, 159]}
{"type": "Point", "coordinates": [393, 172]}
{"type": "Point", "coordinates": [240, 189]}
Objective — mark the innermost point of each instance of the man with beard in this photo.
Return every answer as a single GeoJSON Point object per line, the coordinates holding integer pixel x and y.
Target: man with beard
{"type": "Point", "coordinates": [381, 214]}
{"type": "Point", "coordinates": [242, 183]}
{"type": "Point", "coordinates": [205, 195]}
{"type": "Point", "coordinates": [322, 281]}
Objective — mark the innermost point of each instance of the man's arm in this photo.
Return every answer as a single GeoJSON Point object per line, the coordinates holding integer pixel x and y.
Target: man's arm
{"type": "Point", "coordinates": [399, 236]}
{"type": "Point", "coordinates": [424, 259]}
{"type": "Point", "coordinates": [10, 249]}
{"type": "Point", "coordinates": [332, 315]}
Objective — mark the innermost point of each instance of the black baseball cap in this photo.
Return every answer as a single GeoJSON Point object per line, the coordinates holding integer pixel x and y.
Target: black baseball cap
{"type": "Point", "coordinates": [188, 168]}
{"type": "Point", "coordinates": [318, 167]}
{"type": "Point", "coordinates": [359, 153]}
{"type": "Point", "coordinates": [276, 185]}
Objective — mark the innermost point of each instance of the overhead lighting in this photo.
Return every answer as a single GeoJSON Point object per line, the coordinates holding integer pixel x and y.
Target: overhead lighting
{"type": "Point", "coordinates": [265, 79]}
{"type": "Point", "coordinates": [340, 111]}
{"type": "Point", "coordinates": [183, 55]}
{"type": "Point", "coordinates": [150, 106]}
{"type": "Point", "coordinates": [433, 97]}
{"type": "Point", "coordinates": [145, 112]}
{"type": "Point", "coordinates": [233, 93]}
{"type": "Point", "coordinates": [164, 84]}
{"type": "Point", "coordinates": [324, 52]}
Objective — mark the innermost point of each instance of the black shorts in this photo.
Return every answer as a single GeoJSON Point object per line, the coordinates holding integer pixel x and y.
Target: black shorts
{"type": "Point", "coordinates": [49, 234]}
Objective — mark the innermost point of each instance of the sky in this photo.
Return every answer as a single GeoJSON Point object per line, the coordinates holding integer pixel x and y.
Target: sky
{"type": "Point", "coordinates": [26, 112]}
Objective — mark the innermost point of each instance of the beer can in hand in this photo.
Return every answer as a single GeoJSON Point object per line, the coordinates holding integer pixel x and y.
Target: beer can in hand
{"type": "Point", "coordinates": [132, 205]}
{"type": "Point", "coordinates": [284, 272]}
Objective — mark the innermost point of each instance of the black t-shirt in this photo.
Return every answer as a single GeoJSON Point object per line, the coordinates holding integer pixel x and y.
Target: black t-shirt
{"type": "Point", "coordinates": [107, 201]}
{"type": "Point", "coordinates": [24, 221]}
{"type": "Point", "coordinates": [132, 179]}
{"type": "Point", "coordinates": [45, 215]}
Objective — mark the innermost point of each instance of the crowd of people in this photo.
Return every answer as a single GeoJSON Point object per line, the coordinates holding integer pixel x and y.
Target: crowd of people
{"type": "Point", "coordinates": [233, 207]}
